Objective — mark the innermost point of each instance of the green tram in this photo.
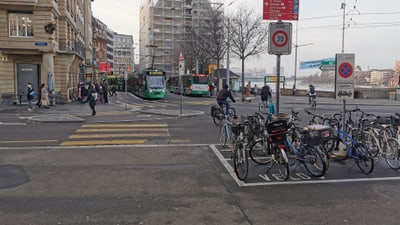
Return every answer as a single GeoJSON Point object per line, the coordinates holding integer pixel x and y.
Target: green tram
{"type": "Point", "coordinates": [192, 84]}
{"type": "Point", "coordinates": [149, 84]}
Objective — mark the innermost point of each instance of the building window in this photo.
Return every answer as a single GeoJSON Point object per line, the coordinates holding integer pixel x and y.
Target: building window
{"type": "Point", "coordinates": [20, 24]}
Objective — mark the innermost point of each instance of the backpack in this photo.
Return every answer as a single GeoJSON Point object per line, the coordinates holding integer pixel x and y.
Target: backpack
{"type": "Point", "coordinates": [312, 89]}
{"type": "Point", "coordinates": [32, 93]}
{"type": "Point", "coordinates": [266, 91]}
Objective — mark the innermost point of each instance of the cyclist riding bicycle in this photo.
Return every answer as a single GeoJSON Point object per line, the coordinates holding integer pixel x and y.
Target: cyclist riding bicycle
{"type": "Point", "coordinates": [222, 98]}
{"type": "Point", "coordinates": [266, 94]}
{"type": "Point", "coordinates": [311, 93]}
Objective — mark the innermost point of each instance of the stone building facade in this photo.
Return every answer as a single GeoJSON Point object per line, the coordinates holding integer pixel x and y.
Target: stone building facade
{"type": "Point", "coordinates": [45, 41]}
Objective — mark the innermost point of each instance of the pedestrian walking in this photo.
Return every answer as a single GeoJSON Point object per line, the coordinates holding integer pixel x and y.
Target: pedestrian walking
{"type": "Point", "coordinates": [255, 90]}
{"type": "Point", "coordinates": [30, 95]}
{"type": "Point", "coordinates": [39, 99]}
{"type": "Point", "coordinates": [92, 99]}
{"type": "Point", "coordinates": [105, 91]}
{"type": "Point", "coordinates": [44, 96]}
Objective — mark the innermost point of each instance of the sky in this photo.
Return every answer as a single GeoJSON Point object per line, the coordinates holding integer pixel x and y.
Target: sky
{"type": "Point", "coordinates": [372, 31]}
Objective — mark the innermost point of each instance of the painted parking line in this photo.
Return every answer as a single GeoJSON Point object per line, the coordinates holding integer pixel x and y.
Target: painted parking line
{"type": "Point", "coordinates": [271, 179]}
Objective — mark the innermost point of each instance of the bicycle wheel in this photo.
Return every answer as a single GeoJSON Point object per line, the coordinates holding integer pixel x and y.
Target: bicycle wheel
{"type": "Point", "coordinates": [314, 104]}
{"type": "Point", "coordinates": [262, 108]}
{"type": "Point", "coordinates": [325, 155]}
{"type": "Point", "coordinates": [363, 158]}
{"type": "Point", "coordinates": [217, 116]}
{"type": "Point", "coordinates": [329, 144]}
{"type": "Point", "coordinates": [372, 143]}
{"type": "Point", "coordinates": [240, 161]}
{"type": "Point", "coordinates": [259, 152]}
{"type": "Point", "coordinates": [233, 112]}
{"type": "Point", "coordinates": [392, 153]}
{"type": "Point", "coordinates": [313, 161]}
{"type": "Point", "coordinates": [223, 135]}
{"type": "Point", "coordinates": [281, 162]}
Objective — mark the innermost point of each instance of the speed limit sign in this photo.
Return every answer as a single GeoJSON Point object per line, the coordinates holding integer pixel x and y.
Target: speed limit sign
{"type": "Point", "coordinates": [280, 38]}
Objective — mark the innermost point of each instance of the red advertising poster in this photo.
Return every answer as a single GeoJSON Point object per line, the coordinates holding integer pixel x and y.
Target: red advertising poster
{"type": "Point", "coordinates": [281, 9]}
{"type": "Point", "coordinates": [105, 67]}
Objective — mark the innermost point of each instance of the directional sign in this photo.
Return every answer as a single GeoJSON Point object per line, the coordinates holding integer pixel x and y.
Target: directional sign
{"type": "Point", "coordinates": [344, 85]}
{"type": "Point", "coordinates": [280, 38]}
{"type": "Point", "coordinates": [281, 10]}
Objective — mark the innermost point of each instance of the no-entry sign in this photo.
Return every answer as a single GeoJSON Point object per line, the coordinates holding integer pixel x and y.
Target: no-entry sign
{"type": "Point", "coordinates": [280, 38]}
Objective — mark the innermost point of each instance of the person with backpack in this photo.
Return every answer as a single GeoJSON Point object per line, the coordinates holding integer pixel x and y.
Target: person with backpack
{"type": "Point", "coordinates": [30, 95]}
{"type": "Point", "coordinates": [266, 94]}
{"type": "Point", "coordinates": [311, 93]}
{"type": "Point", "coordinates": [92, 99]}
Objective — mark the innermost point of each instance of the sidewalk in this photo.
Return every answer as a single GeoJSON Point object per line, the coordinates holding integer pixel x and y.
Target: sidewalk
{"type": "Point", "coordinates": [76, 112]}
{"type": "Point", "coordinates": [300, 99]}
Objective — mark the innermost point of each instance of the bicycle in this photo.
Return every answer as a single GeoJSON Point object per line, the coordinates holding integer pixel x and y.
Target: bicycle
{"type": "Point", "coordinates": [225, 131]}
{"type": "Point", "coordinates": [240, 155]}
{"type": "Point", "coordinates": [381, 144]}
{"type": "Point", "coordinates": [356, 150]}
{"type": "Point", "coordinates": [277, 140]}
{"type": "Point", "coordinates": [313, 101]}
{"type": "Point", "coordinates": [303, 144]}
{"type": "Point", "coordinates": [259, 145]}
{"type": "Point", "coordinates": [263, 107]}
{"type": "Point", "coordinates": [217, 113]}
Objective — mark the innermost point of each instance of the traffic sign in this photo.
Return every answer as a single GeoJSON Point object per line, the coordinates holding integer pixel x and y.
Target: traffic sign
{"type": "Point", "coordinates": [281, 9]}
{"type": "Point", "coordinates": [344, 85]}
{"type": "Point", "coordinates": [181, 58]}
{"type": "Point", "coordinates": [280, 38]}
{"type": "Point", "coordinates": [345, 70]}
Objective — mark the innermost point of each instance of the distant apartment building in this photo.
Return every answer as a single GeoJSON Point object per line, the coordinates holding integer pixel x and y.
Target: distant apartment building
{"type": "Point", "coordinates": [383, 78]}
{"type": "Point", "coordinates": [104, 49]}
{"type": "Point", "coordinates": [44, 41]}
{"type": "Point", "coordinates": [123, 54]}
{"type": "Point", "coordinates": [164, 27]}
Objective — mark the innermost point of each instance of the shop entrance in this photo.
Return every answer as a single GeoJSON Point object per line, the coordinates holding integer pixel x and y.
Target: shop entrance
{"type": "Point", "coordinates": [27, 73]}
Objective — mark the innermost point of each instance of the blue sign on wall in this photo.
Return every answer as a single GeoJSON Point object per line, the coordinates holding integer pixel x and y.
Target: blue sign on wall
{"type": "Point", "coordinates": [40, 44]}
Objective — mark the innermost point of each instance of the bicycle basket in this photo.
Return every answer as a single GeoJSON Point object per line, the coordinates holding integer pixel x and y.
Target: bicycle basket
{"type": "Point", "coordinates": [384, 119]}
{"type": "Point", "coordinates": [280, 116]}
{"type": "Point", "coordinates": [277, 130]}
{"type": "Point", "coordinates": [395, 121]}
{"type": "Point", "coordinates": [316, 134]}
{"type": "Point", "coordinates": [236, 129]}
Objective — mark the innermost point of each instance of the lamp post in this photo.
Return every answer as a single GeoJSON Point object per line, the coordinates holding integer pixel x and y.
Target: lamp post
{"type": "Point", "coordinates": [343, 6]}
{"type": "Point", "coordinates": [295, 57]}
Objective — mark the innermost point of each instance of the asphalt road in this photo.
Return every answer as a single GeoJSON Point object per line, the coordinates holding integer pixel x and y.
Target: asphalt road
{"type": "Point", "coordinates": [161, 182]}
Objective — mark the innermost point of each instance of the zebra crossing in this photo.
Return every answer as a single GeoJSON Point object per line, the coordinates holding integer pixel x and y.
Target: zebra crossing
{"type": "Point", "coordinates": [122, 134]}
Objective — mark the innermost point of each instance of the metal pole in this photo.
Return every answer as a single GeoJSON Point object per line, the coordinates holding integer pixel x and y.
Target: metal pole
{"type": "Point", "coordinates": [227, 59]}
{"type": "Point", "coordinates": [343, 29]}
{"type": "Point", "coordinates": [295, 58]}
{"type": "Point", "coordinates": [126, 90]}
{"type": "Point", "coordinates": [181, 100]}
{"type": "Point", "coordinates": [278, 79]}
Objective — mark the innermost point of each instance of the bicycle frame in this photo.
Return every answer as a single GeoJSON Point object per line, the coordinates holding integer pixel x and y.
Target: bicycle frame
{"type": "Point", "coordinates": [226, 130]}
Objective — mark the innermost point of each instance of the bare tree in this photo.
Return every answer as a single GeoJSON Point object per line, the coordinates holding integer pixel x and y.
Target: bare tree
{"type": "Point", "coordinates": [216, 39]}
{"type": "Point", "coordinates": [248, 35]}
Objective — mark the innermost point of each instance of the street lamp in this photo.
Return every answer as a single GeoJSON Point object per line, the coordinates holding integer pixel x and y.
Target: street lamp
{"type": "Point", "coordinates": [295, 57]}
{"type": "Point", "coordinates": [343, 6]}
